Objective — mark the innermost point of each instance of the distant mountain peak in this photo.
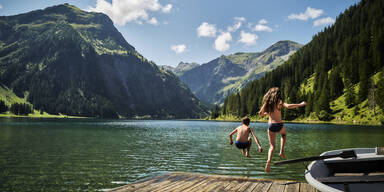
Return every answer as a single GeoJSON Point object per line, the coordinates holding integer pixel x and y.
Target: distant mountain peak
{"type": "Point", "coordinates": [215, 80]}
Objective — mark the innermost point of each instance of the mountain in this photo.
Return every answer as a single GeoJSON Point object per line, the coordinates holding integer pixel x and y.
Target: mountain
{"type": "Point", "coordinates": [215, 80]}
{"type": "Point", "coordinates": [181, 68]}
{"type": "Point", "coordinates": [340, 73]}
{"type": "Point", "coordinates": [65, 60]}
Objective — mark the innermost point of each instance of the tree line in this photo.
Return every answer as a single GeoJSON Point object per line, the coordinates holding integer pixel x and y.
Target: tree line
{"type": "Point", "coordinates": [16, 108]}
{"type": "Point", "coordinates": [340, 58]}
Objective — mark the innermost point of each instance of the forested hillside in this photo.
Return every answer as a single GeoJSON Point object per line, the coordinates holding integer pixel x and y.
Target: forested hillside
{"type": "Point", "coordinates": [339, 73]}
{"type": "Point", "coordinates": [63, 60]}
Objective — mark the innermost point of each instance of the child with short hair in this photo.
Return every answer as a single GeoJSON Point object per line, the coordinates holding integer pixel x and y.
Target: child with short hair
{"type": "Point", "coordinates": [272, 105]}
{"type": "Point", "coordinates": [243, 141]}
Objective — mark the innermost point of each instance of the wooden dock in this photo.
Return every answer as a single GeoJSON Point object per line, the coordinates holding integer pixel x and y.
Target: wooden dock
{"type": "Point", "coordinates": [200, 182]}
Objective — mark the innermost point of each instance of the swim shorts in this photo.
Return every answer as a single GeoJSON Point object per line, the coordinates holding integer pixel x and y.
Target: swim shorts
{"type": "Point", "coordinates": [275, 127]}
{"type": "Point", "coordinates": [242, 145]}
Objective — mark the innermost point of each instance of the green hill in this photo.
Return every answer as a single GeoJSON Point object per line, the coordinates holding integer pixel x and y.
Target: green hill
{"type": "Point", "coordinates": [67, 61]}
{"type": "Point", "coordinates": [339, 73]}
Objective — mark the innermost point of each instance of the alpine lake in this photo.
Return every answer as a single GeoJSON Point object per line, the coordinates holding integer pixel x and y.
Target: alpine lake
{"type": "Point", "coordinates": [95, 155]}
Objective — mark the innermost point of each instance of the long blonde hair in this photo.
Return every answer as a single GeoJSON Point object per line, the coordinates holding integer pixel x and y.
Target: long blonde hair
{"type": "Point", "coordinates": [272, 99]}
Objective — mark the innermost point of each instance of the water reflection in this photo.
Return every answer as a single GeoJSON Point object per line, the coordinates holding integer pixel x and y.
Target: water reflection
{"type": "Point", "coordinates": [53, 155]}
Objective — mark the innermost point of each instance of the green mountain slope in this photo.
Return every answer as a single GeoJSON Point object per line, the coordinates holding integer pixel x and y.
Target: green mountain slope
{"type": "Point", "coordinates": [73, 62]}
{"type": "Point", "coordinates": [339, 73]}
{"type": "Point", "coordinates": [215, 80]}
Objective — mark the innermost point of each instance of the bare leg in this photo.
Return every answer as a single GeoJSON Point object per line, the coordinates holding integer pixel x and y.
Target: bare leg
{"type": "Point", "coordinates": [272, 143]}
{"type": "Point", "coordinates": [243, 151]}
{"type": "Point", "coordinates": [283, 133]}
{"type": "Point", "coordinates": [249, 147]}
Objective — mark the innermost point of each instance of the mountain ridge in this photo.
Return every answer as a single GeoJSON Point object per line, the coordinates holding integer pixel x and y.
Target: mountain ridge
{"type": "Point", "coordinates": [213, 81]}
{"type": "Point", "coordinates": [73, 62]}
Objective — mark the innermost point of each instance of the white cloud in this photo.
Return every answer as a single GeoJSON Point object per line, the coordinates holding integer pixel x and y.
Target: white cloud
{"type": "Point", "coordinates": [167, 8]}
{"type": "Point", "coordinates": [206, 30]}
{"type": "Point", "coordinates": [221, 42]}
{"type": "Point", "coordinates": [323, 21]}
{"type": "Point", "coordinates": [153, 21]}
{"type": "Point", "coordinates": [239, 18]}
{"type": "Point", "coordinates": [260, 27]}
{"type": "Point", "coordinates": [237, 25]}
{"type": "Point", "coordinates": [1, 6]}
{"type": "Point", "coordinates": [178, 48]}
{"type": "Point", "coordinates": [124, 11]}
{"type": "Point", "coordinates": [248, 38]}
{"type": "Point", "coordinates": [263, 21]}
{"type": "Point", "coordinates": [309, 13]}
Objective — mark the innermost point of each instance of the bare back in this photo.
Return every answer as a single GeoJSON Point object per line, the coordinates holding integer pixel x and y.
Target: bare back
{"type": "Point", "coordinates": [275, 116]}
{"type": "Point", "coordinates": [242, 133]}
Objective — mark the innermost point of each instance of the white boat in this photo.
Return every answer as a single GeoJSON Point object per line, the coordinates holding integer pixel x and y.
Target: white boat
{"type": "Point", "coordinates": [364, 172]}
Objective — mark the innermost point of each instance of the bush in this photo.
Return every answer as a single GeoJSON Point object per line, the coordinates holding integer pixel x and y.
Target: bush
{"type": "Point", "coordinates": [324, 116]}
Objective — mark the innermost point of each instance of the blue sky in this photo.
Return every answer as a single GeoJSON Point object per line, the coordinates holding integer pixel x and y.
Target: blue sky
{"type": "Point", "coordinates": [170, 31]}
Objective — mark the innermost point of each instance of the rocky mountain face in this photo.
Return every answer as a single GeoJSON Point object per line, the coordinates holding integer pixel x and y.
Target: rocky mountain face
{"type": "Point", "coordinates": [215, 80]}
{"type": "Point", "coordinates": [68, 61]}
{"type": "Point", "coordinates": [181, 68]}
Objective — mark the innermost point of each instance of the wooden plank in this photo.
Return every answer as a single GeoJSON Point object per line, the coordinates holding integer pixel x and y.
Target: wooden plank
{"type": "Point", "coordinates": [250, 187]}
{"type": "Point", "coordinates": [192, 183]}
{"type": "Point", "coordinates": [199, 185]}
{"type": "Point", "coordinates": [305, 187]}
{"type": "Point", "coordinates": [277, 186]}
{"type": "Point", "coordinates": [245, 185]}
{"type": "Point", "coordinates": [263, 186]}
{"type": "Point", "coordinates": [223, 185]}
{"type": "Point", "coordinates": [212, 185]}
{"type": "Point", "coordinates": [232, 185]}
{"type": "Point", "coordinates": [142, 183]}
{"type": "Point", "coordinates": [156, 185]}
{"type": "Point", "coordinates": [176, 185]}
{"type": "Point", "coordinates": [292, 187]}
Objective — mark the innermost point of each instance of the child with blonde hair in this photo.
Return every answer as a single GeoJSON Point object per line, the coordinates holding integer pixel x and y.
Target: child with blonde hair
{"type": "Point", "coordinates": [272, 105]}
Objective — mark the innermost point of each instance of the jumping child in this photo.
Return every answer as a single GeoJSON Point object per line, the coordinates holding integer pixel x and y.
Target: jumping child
{"type": "Point", "coordinates": [272, 105]}
{"type": "Point", "coordinates": [243, 141]}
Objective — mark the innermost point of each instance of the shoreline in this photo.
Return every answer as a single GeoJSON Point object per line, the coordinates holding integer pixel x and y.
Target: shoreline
{"type": "Point", "coordinates": [254, 120]}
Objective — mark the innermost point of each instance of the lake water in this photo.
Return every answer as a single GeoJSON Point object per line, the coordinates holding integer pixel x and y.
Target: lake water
{"type": "Point", "coordinates": [89, 155]}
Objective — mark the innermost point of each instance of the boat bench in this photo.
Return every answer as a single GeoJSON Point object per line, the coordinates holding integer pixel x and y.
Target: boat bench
{"type": "Point", "coordinates": [351, 179]}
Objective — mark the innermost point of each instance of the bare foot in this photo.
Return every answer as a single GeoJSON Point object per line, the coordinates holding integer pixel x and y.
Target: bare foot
{"type": "Point", "coordinates": [247, 154]}
{"type": "Point", "coordinates": [282, 155]}
{"type": "Point", "coordinates": [243, 152]}
{"type": "Point", "coordinates": [268, 167]}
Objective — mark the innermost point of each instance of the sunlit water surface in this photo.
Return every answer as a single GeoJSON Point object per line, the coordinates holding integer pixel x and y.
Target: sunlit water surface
{"type": "Point", "coordinates": [73, 155]}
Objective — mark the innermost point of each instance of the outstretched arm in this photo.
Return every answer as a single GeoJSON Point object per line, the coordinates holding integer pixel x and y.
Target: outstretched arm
{"type": "Point", "coordinates": [257, 141]}
{"type": "Point", "coordinates": [292, 106]}
{"type": "Point", "coordinates": [230, 136]}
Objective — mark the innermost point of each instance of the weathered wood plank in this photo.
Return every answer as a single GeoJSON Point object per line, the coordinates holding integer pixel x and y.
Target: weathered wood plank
{"type": "Point", "coordinates": [211, 185]}
{"type": "Point", "coordinates": [263, 186]}
{"type": "Point", "coordinates": [142, 183]}
{"type": "Point", "coordinates": [201, 184]}
{"type": "Point", "coordinates": [305, 187]}
{"type": "Point", "coordinates": [193, 183]}
{"type": "Point", "coordinates": [277, 186]}
{"type": "Point", "coordinates": [179, 184]}
{"type": "Point", "coordinates": [245, 185]}
{"type": "Point", "coordinates": [161, 184]}
{"type": "Point", "coordinates": [292, 187]}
